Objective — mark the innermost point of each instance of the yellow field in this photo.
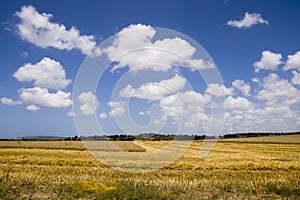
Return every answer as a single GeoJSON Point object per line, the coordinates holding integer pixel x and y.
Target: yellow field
{"type": "Point", "coordinates": [233, 170]}
{"type": "Point", "coordinates": [272, 139]}
{"type": "Point", "coordinates": [68, 145]}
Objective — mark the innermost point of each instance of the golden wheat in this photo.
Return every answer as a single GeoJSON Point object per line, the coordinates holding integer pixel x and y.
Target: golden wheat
{"type": "Point", "coordinates": [231, 171]}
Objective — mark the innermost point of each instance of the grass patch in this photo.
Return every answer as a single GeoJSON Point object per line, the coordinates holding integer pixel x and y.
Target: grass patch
{"type": "Point", "coordinates": [3, 185]}
{"type": "Point", "coordinates": [12, 189]}
{"type": "Point", "coordinates": [83, 189]}
{"type": "Point", "coordinates": [283, 188]}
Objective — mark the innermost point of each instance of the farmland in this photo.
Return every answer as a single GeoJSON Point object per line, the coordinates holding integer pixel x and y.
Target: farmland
{"type": "Point", "coordinates": [256, 168]}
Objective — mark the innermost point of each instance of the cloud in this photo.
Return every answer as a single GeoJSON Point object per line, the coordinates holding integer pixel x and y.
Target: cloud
{"type": "Point", "coordinates": [47, 73]}
{"type": "Point", "coordinates": [141, 113]}
{"type": "Point", "coordinates": [127, 92]}
{"type": "Point", "coordinates": [268, 61]}
{"type": "Point", "coordinates": [200, 64]}
{"type": "Point", "coordinates": [130, 38]}
{"type": "Point", "coordinates": [255, 80]}
{"type": "Point", "coordinates": [89, 103]}
{"type": "Point", "coordinates": [38, 29]}
{"type": "Point", "coordinates": [41, 96]}
{"type": "Point", "coordinates": [238, 104]}
{"type": "Point", "coordinates": [71, 114]}
{"type": "Point", "coordinates": [102, 115]}
{"type": "Point", "coordinates": [10, 102]}
{"type": "Point", "coordinates": [243, 115]}
{"type": "Point", "coordinates": [142, 53]}
{"type": "Point", "coordinates": [250, 19]}
{"type": "Point", "coordinates": [293, 62]}
{"type": "Point", "coordinates": [117, 108]}
{"type": "Point", "coordinates": [189, 105]}
{"type": "Point", "coordinates": [242, 86]}
{"type": "Point", "coordinates": [275, 106]}
{"type": "Point", "coordinates": [218, 90]}
{"type": "Point", "coordinates": [296, 78]}
{"type": "Point", "coordinates": [278, 91]}
{"type": "Point", "coordinates": [155, 90]}
{"type": "Point", "coordinates": [272, 109]}
{"type": "Point", "coordinates": [33, 108]}
{"type": "Point", "coordinates": [171, 106]}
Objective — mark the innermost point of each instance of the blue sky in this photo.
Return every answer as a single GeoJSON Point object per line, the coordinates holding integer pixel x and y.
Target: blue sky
{"type": "Point", "coordinates": [254, 45]}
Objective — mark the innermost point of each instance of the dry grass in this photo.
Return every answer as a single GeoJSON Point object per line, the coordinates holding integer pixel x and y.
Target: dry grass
{"type": "Point", "coordinates": [74, 145]}
{"type": "Point", "coordinates": [67, 145]}
{"type": "Point", "coordinates": [270, 139]}
{"type": "Point", "coordinates": [129, 146]}
{"type": "Point", "coordinates": [232, 171]}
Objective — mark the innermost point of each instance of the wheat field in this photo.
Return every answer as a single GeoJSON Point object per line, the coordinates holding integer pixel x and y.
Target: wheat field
{"type": "Point", "coordinates": [233, 170]}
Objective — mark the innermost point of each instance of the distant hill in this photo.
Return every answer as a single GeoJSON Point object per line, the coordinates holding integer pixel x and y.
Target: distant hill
{"type": "Point", "coordinates": [145, 136]}
{"type": "Point", "coordinates": [248, 135]}
{"type": "Point", "coordinates": [41, 138]}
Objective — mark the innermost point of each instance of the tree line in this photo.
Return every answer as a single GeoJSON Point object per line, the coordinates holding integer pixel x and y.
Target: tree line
{"type": "Point", "coordinates": [144, 136]}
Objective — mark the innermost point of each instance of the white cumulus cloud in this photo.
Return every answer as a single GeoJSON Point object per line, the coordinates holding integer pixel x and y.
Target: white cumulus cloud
{"type": "Point", "coordinates": [47, 73]}
{"type": "Point", "coordinates": [243, 115]}
{"type": "Point", "coordinates": [272, 109]}
{"type": "Point", "coordinates": [10, 102]}
{"type": "Point", "coordinates": [238, 104]}
{"type": "Point", "coordinates": [278, 91]}
{"type": "Point", "coordinates": [41, 96]}
{"type": "Point", "coordinates": [242, 86]}
{"type": "Point", "coordinates": [103, 115]}
{"type": "Point", "coordinates": [117, 108]}
{"type": "Point", "coordinates": [293, 62]}
{"type": "Point", "coordinates": [141, 113]}
{"type": "Point", "coordinates": [127, 92]}
{"type": "Point", "coordinates": [189, 105]}
{"type": "Point", "coordinates": [71, 114]}
{"type": "Point", "coordinates": [38, 29]}
{"type": "Point", "coordinates": [89, 103]}
{"type": "Point", "coordinates": [155, 90]}
{"type": "Point", "coordinates": [255, 80]}
{"type": "Point", "coordinates": [133, 47]}
{"type": "Point", "coordinates": [268, 61]}
{"type": "Point", "coordinates": [218, 90]}
{"type": "Point", "coordinates": [250, 19]}
{"type": "Point", "coordinates": [33, 108]}
{"type": "Point", "coordinates": [296, 78]}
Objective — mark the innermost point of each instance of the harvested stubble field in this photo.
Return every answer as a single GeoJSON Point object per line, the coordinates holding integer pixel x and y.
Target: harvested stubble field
{"type": "Point", "coordinates": [235, 169]}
